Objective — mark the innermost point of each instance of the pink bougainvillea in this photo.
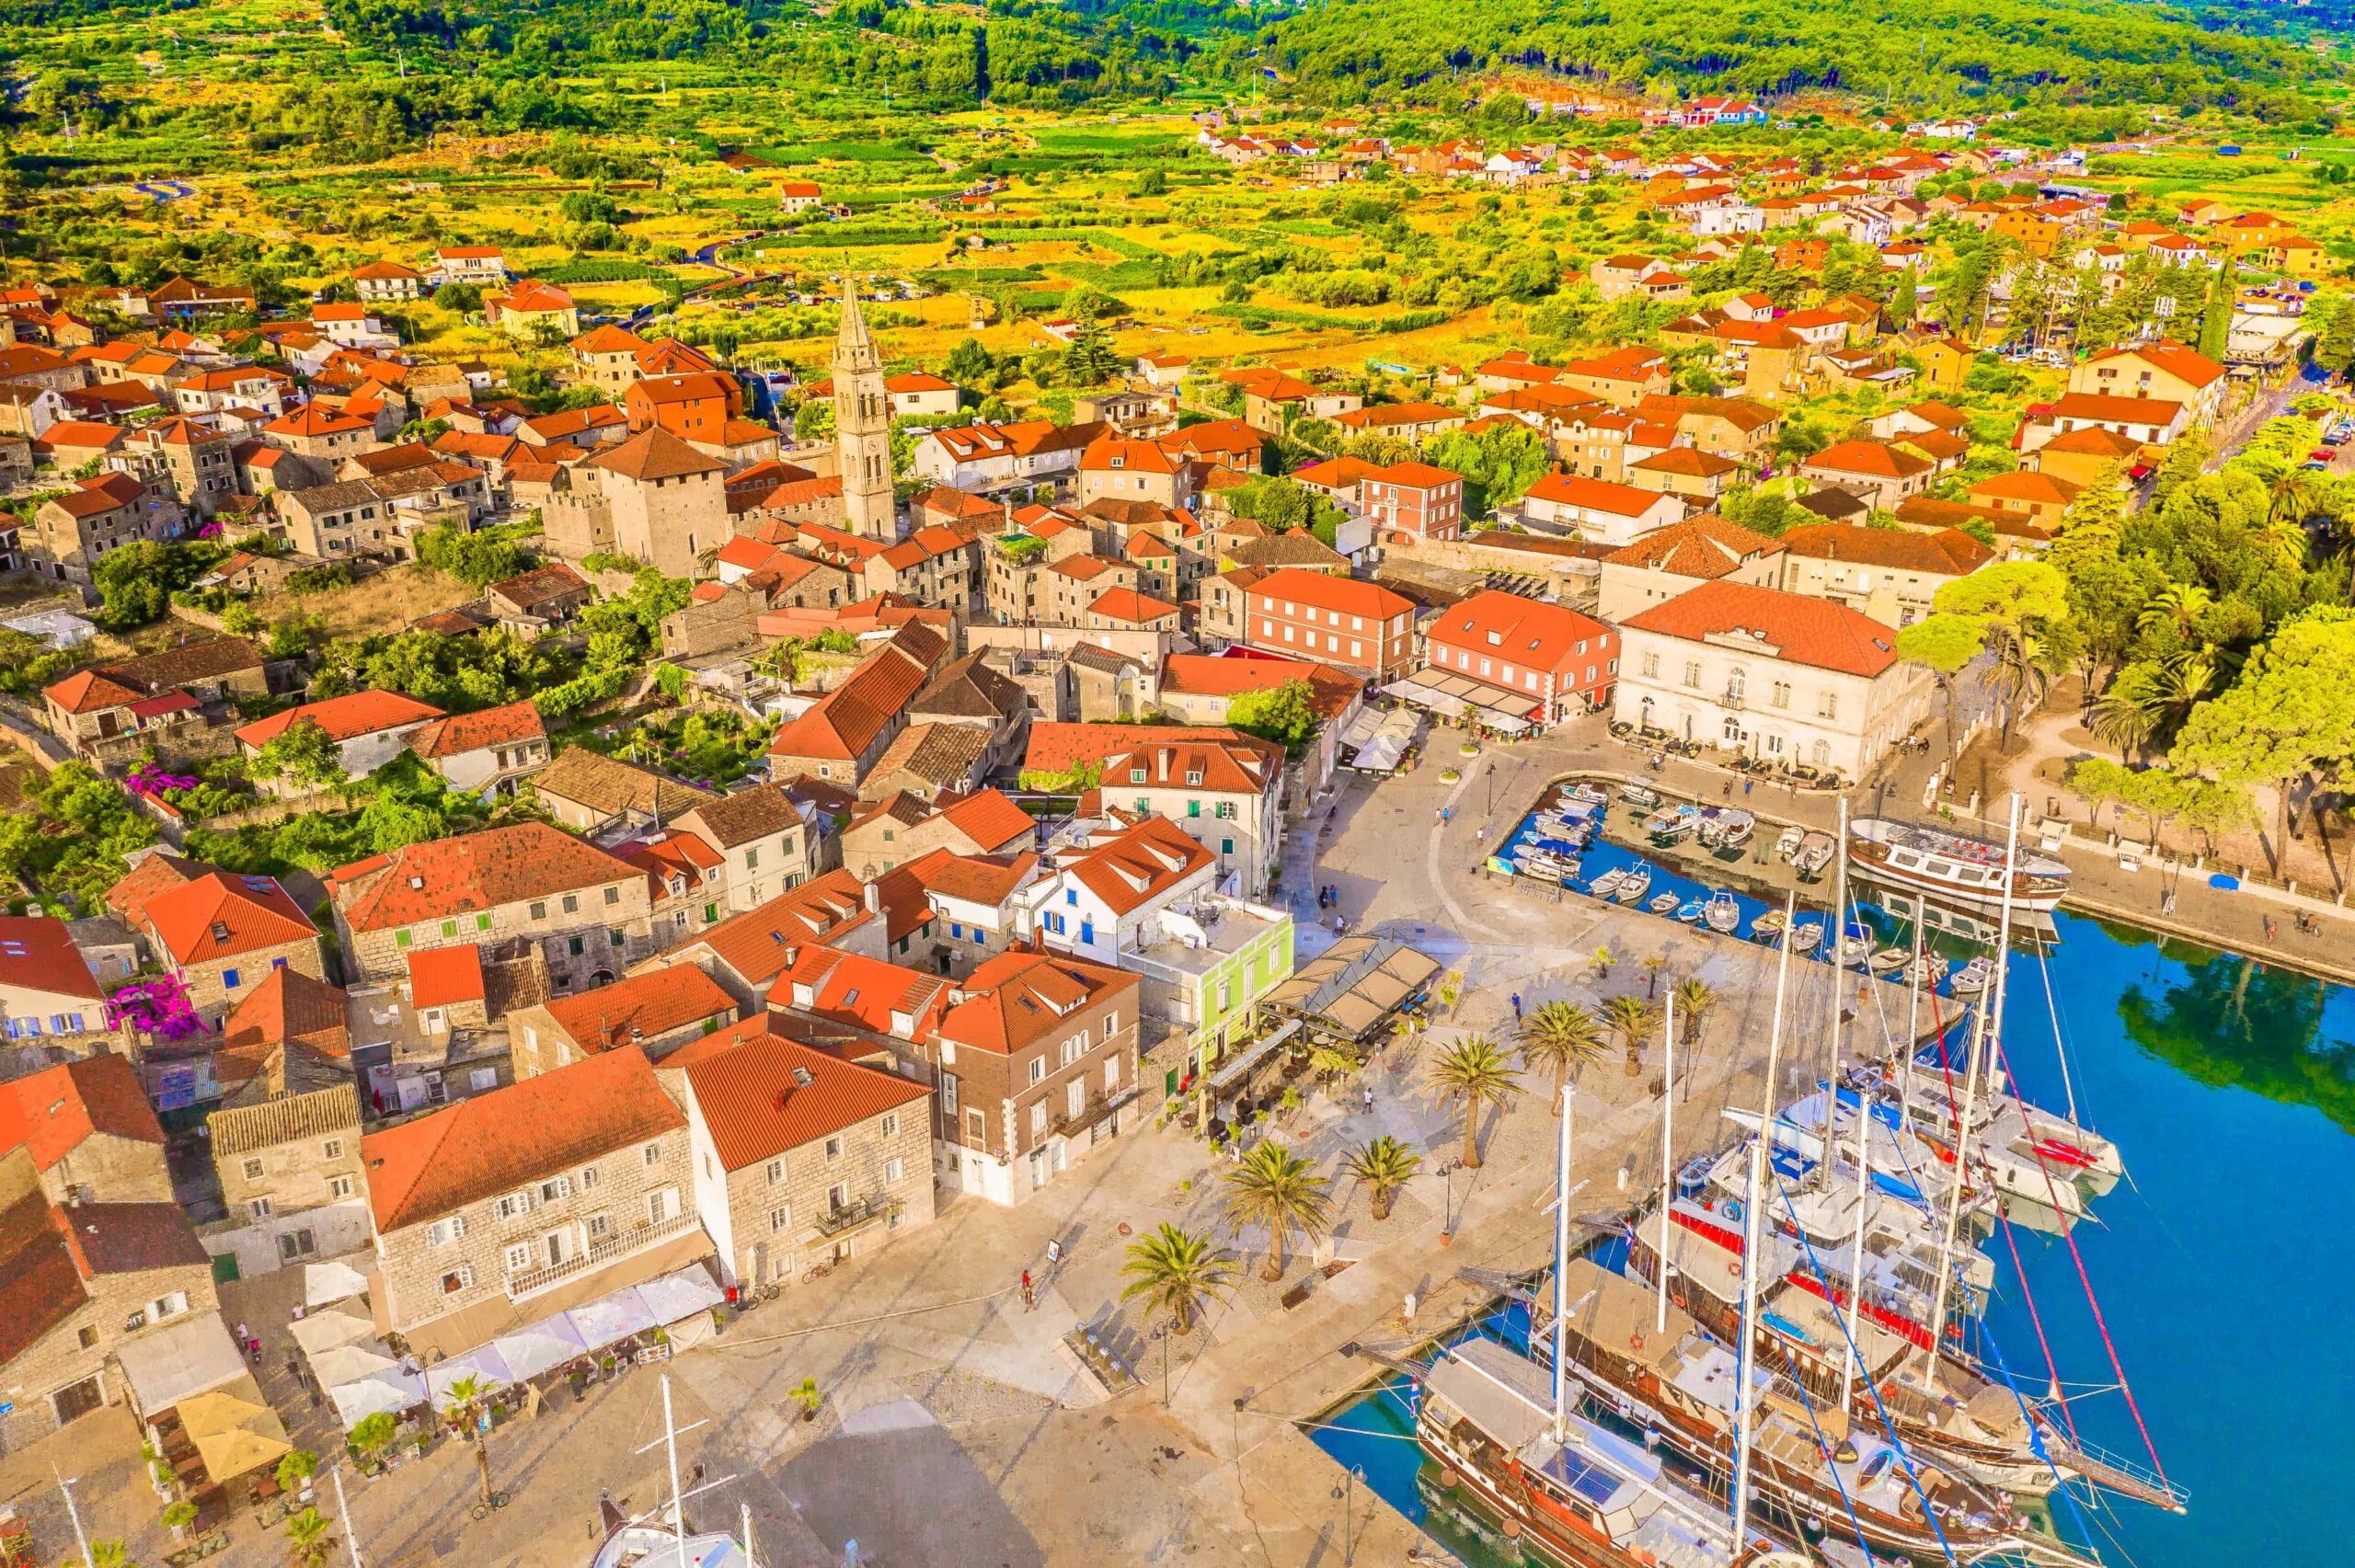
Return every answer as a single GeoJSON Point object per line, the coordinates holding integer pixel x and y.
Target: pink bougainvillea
{"type": "Point", "coordinates": [152, 782]}
{"type": "Point", "coordinates": [157, 1006]}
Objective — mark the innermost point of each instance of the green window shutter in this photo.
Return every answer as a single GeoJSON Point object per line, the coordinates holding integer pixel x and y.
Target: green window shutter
{"type": "Point", "coordinates": [400, 939]}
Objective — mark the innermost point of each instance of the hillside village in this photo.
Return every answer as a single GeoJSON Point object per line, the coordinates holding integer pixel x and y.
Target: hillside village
{"type": "Point", "coordinates": [755, 813]}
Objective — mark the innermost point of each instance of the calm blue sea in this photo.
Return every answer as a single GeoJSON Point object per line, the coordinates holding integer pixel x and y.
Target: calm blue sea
{"type": "Point", "coordinates": [2222, 1265]}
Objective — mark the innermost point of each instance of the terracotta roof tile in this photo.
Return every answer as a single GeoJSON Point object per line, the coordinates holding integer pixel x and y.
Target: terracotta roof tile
{"type": "Point", "coordinates": [52, 1112]}
{"type": "Point", "coordinates": [216, 915]}
{"type": "Point", "coordinates": [640, 1007]}
{"type": "Point", "coordinates": [344, 718]}
{"type": "Point", "coordinates": [492, 1143]}
{"type": "Point", "coordinates": [477, 872]}
{"type": "Point", "coordinates": [762, 1095]}
{"type": "Point", "coordinates": [1793, 626]}
{"type": "Point", "coordinates": [461, 733]}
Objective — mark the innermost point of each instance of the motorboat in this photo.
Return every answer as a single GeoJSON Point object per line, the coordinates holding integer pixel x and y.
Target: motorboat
{"type": "Point", "coordinates": [1582, 790]}
{"type": "Point", "coordinates": [1925, 971]}
{"type": "Point", "coordinates": [1854, 950]}
{"type": "Point", "coordinates": [1768, 926]}
{"type": "Point", "coordinates": [1638, 883]}
{"type": "Point", "coordinates": [1815, 853]}
{"type": "Point", "coordinates": [1805, 935]}
{"type": "Point", "coordinates": [1690, 911]}
{"type": "Point", "coordinates": [1726, 827]}
{"type": "Point", "coordinates": [1604, 886]}
{"type": "Point", "coordinates": [1956, 866]}
{"type": "Point", "coordinates": [1787, 844]}
{"type": "Point", "coordinates": [1662, 904]}
{"type": "Point", "coordinates": [1888, 961]}
{"type": "Point", "coordinates": [1643, 797]}
{"type": "Point", "coordinates": [1724, 912]}
{"type": "Point", "coordinates": [1973, 977]}
{"type": "Point", "coordinates": [1674, 822]}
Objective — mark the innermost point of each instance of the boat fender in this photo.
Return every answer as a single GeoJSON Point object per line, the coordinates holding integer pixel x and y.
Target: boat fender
{"type": "Point", "coordinates": [1733, 1267]}
{"type": "Point", "coordinates": [1447, 1480]}
{"type": "Point", "coordinates": [1732, 1209]}
{"type": "Point", "coordinates": [1512, 1529]}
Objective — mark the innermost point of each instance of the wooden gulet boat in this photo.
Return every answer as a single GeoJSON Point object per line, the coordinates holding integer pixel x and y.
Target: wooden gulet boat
{"type": "Point", "coordinates": [1956, 866]}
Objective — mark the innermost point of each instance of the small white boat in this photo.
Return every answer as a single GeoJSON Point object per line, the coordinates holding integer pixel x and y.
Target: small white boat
{"type": "Point", "coordinates": [1815, 853]}
{"type": "Point", "coordinates": [1788, 845]}
{"type": "Point", "coordinates": [1724, 828]}
{"type": "Point", "coordinates": [1638, 883]}
{"type": "Point", "coordinates": [1973, 978]}
{"type": "Point", "coordinates": [1926, 971]}
{"type": "Point", "coordinates": [1641, 797]}
{"type": "Point", "coordinates": [1690, 911]}
{"type": "Point", "coordinates": [1608, 883]}
{"type": "Point", "coordinates": [1675, 822]}
{"type": "Point", "coordinates": [1805, 935]}
{"type": "Point", "coordinates": [1662, 904]}
{"type": "Point", "coordinates": [1768, 926]}
{"type": "Point", "coordinates": [1585, 791]}
{"type": "Point", "coordinates": [1888, 961]}
{"type": "Point", "coordinates": [1724, 912]}
{"type": "Point", "coordinates": [1854, 951]}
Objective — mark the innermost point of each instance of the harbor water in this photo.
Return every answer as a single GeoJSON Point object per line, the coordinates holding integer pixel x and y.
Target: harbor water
{"type": "Point", "coordinates": [2220, 1270]}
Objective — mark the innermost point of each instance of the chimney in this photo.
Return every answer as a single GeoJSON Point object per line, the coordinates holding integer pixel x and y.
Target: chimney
{"type": "Point", "coordinates": [872, 893]}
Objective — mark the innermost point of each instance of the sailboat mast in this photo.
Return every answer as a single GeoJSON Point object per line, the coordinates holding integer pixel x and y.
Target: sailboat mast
{"type": "Point", "coordinates": [1913, 1023]}
{"type": "Point", "coordinates": [2002, 986]}
{"type": "Point", "coordinates": [1745, 1351]}
{"type": "Point", "coordinates": [1667, 1154]}
{"type": "Point", "coordinates": [1561, 1265]}
{"type": "Point", "coordinates": [670, 1446]}
{"type": "Point", "coordinates": [1839, 940]}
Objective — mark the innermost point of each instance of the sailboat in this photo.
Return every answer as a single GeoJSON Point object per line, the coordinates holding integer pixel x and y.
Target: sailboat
{"type": "Point", "coordinates": [1573, 1493]}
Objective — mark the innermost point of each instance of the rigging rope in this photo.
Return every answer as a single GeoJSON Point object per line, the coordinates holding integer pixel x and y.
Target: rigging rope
{"type": "Point", "coordinates": [2020, 1273]}
{"type": "Point", "coordinates": [2069, 1234]}
{"type": "Point", "coordinates": [2059, 1049]}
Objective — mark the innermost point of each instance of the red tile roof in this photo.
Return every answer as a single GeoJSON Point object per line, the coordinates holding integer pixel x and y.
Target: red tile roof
{"type": "Point", "coordinates": [1524, 631]}
{"type": "Point", "coordinates": [461, 733]}
{"type": "Point", "coordinates": [1949, 553]}
{"type": "Point", "coordinates": [1703, 545]}
{"type": "Point", "coordinates": [846, 720]}
{"type": "Point", "coordinates": [990, 820]}
{"type": "Point", "coordinates": [857, 993]}
{"type": "Point", "coordinates": [288, 1008]}
{"type": "Point", "coordinates": [1793, 626]}
{"type": "Point", "coordinates": [640, 1007]}
{"type": "Point", "coordinates": [52, 1112]}
{"type": "Point", "coordinates": [38, 952]}
{"type": "Point", "coordinates": [1877, 459]}
{"type": "Point", "coordinates": [759, 942]}
{"type": "Point", "coordinates": [344, 718]}
{"type": "Point", "coordinates": [1127, 605]}
{"type": "Point", "coordinates": [155, 872]}
{"type": "Point", "coordinates": [1320, 590]}
{"type": "Point", "coordinates": [476, 871]}
{"type": "Point", "coordinates": [1137, 865]}
{"type": "Point", "coordinates": [1594, 495]}
{"type": "Point", "coordinates": [217, 916]}
{"type": "Point", "coordinates": [87, 692]}
{"type": "Point", "coordinates": [443, 977]}
{"type": "Point", "coordinates": [1018, 996]}
{"type": "Point", "coordinates": [492, 1143]}
{"type": "Point", "coordinates": [762, 1095]}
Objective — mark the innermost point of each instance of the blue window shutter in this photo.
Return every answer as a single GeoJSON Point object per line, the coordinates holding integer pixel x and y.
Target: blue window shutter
{"type": "Point", "coordinates": [229, 979]}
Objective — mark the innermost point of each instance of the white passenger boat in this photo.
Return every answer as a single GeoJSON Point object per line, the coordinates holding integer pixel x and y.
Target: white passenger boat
{"type": "Point", "coordinates": [1955, 865]}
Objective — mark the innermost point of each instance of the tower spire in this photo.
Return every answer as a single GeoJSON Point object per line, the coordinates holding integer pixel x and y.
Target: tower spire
{"type": "Point", "coordinates": [862, 426]}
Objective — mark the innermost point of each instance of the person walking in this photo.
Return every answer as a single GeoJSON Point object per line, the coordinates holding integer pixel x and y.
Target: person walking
{"type": "Point", "coordinates": [1369, 1099]}
{"type": "Point", "coordinates": [1029, 1299]}
{"type": "Point", "coordinates": [1516, 1007]}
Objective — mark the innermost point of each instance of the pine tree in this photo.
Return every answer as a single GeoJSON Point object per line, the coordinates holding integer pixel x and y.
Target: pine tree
{"type": "Point", "coordinates": [2216, 321]}
{"type": "Point", "coordinates": [2334, 335]}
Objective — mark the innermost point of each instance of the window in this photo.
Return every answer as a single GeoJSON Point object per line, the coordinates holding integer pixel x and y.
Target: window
{"type": "Point", "coordinates": [893, 1170]}
{"type": "Point", "coordinates": [1038, 1069]}
{"type": "Point", "coordinates": [615, 938]}
{"type": "Point", "coordinates": [652, 1155]}
{"type": "Point", "coordinates": [442, 1232]}
{"type": "Point", "coordinates": [1693, 672]}
{"type": "Point", "coordinates": [1111, 1024]}
{"type": "Point", "coordinates": [1828, 705]}
{"type": "Point", "coordinates": [1193, 809]}
{"type": "Point", "coordinates": [540, 911]}
{"type": "Point", "coordinates": [779, 1219]}
{"type": "Point", "coordinates": [574, 947]}
{"type": "Point", "coordinates": [519, 1257]}
{"type": "Point", "coordinates": [613, 895]}
{"type": "Point", "coordinates": [838, 1196]}
{"type": "Point", "coordinates": [296, 1244]}
{"type": "Point", "coordinates": [482, 922]}
{"type": "Point", "coordinates": [449, 929]}
{"type": "Point", "coordinates": [1075, 1097]}
{"type": "Point", "coordinates": [554, 1188]}
{"type": "Point", "coordinates": [711, 913]}
{"type": "Point", "coordinates": [662, 1205]}
{"type": "Point", "coordinates": [512, 1206]}
{"type": "Point", "coordinates": [1111, 1075]}
{"type": "Point", "coordinates": [977, 1127]}
{"type": "Point", "coordinates": [331, 1150]}
{"type": "Point", "coordinates": [599, 1227]}
{"type": "Point", "coordinates": [751, 858]}
{"type": "Point", "coordinates": [1651, 665]}
{"type": "Point", "coordinates": [1038, 1119]}
{"type": "Point", "coordinates": [260, 1208]}
{"type": "Point", "coordinates": [88, 1336]}
{"type": "Point", "coordinates": [457, 1279]}
{"type": "Point", "coordinates": [572, 903]}
{"type": "Point", "coordinates": [948, 1095]}
{"type": "Point", "coordinates": [587, 1177]}
{"type": "Point", "coordinates": [339, 1186]}
{"type": "Point", "coordinates": [891, 1124]}
{"type": "Point", "coordinates": [253, 1170]}
{"type": "Point", "coordinates": [1782, 697]}
{"type": "Point", "coordinates": [228, 982]}
{"type": "Point", "coordinates": [776, 1172]}
{"type": "Point", "coordinates": [400, 939]}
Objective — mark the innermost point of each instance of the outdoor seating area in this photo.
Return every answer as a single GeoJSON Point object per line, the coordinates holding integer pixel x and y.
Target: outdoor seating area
{"type": "Point", "coordinates": [1654, 743]}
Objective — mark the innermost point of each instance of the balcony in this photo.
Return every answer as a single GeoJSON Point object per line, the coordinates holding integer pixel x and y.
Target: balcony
{"type": "Point", "coordinates": [833, 1224]}
{"type": "Point", "coordinates": [635, 1239]}
{"type": "Point", "coordinates": [1734, 698]}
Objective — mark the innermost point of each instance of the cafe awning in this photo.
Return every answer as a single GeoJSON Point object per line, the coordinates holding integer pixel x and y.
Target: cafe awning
{"type": "Point", "coordinates": [387, 1393]}
{"type": "Point", "coordinates": [681, 1295]}
{"type": "Point", "coordinates": [324, 1284]}
{"type": "Point", "coordinates": [611, 1319]}
{"type": "Point", "coordinates": [534, 1348]}
{"type": "Point", "coordinates": [483, 1365]}
{"type": "Point", "coordinates": [1231, 1073]}
{"type": "Point", "coordinates": [233, 1436]}
{"type": "Point", "coordinates": [325, 1330]}
{"type": "Point", "coordinates": [1452, 696]}
{"type": "Point", "coordinates": [178, 1360]}
{"type": "Point", "coordinates": [1354, 984]}
{"type": "Point", "coordinates": [348, 1364]}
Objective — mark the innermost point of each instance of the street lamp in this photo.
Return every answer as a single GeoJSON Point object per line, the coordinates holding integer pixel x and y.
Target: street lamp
{"type": "Point", "coordinates": [1161, 1332]}
{"type": "Point", "coordinates": [1346, 1492]}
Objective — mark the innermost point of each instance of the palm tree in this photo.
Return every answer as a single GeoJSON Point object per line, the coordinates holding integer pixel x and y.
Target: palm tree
{"type": "Point", "coordinates": [469, 1405]}
{"type": "Point", "coordinates": [1177, 1271]}
{"type": "Point", "coordinates": [1695, 999]}
{"type": "Point", "coordinates": [1653, 964]}
{"type": "Point", "coordinates": [1384, 1165]}
{"type": "Point", "coordinates": [111, 1554]}
{"type": "Point", "coordinates": [1474, 1071]}
{"type": "Point", "coordinates": [2292, 497]}
{"type": "Point", "coordinates": [1275, 1187]}
{"type": "Point", "coordinates": [2024, 664]}
{"type": "Point", "coordinates": [307, 1545]}
{"type": "Point", "coordinates": [2126, 716]}
{"type": "Point", "coordinates": [1563, 1035]}
{"type": "Point", "coordinates": [2181, 602]}
{"type": "Point", "coordinates": [1632, 1016]}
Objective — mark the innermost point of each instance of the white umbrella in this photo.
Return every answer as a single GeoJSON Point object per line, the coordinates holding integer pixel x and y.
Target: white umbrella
{"type": "Point", "coordinates": [325, 1330]}
{"type": "Point", "coordinates": [324, 1284]}
{"type": "Point", "coordinates": [482, 1364]}
{"type": "Point", "coordinates": [680, 1294]}
{"type": "Point", "coordinates": [532, 1350]}
{"type": "Point", "coordinates": [349, 1364]}
{"type": "Point", "coordinates": [611, 1319]}
{"type": "Point", "coordinates": [384, 1392]}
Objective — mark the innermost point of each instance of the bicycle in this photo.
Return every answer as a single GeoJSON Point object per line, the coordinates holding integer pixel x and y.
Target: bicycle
{"type": "Point", "coordinates": [483, 1509]}
{"type": "Point", "coordinates": [816, 1271]}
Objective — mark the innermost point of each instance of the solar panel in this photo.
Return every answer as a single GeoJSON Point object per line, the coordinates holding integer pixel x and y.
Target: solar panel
{"type": "Point", "coordinates": [1586, 1480]}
